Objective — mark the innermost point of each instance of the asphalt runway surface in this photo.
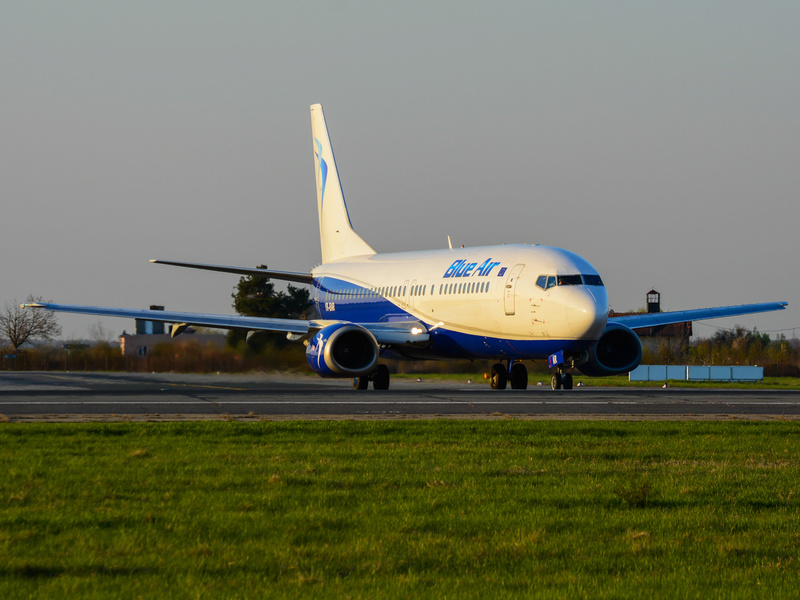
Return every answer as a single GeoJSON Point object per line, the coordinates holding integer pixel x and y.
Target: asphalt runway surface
{"type": "Point", "coordinates": [37, 396]}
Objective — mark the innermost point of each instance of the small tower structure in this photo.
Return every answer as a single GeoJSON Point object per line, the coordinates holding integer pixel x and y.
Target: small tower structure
{"type": "Point", "coordinates": [653, 302]}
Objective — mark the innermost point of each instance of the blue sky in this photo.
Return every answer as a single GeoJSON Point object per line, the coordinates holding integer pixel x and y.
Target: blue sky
{"type": "Point", "coordinates": [658, 140]}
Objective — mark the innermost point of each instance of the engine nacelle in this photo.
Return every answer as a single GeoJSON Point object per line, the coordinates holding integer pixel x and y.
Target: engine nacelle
{"type": "Point", "coordinates": [619, 350]}
{"type": "Point", "coordinates": [342, 350]}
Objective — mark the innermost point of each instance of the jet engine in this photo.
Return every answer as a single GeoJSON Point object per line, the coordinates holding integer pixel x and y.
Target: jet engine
{"type": "Point", "coordinates": [342, 350]}
{"type": "Point", "coordinates": [618, 351]}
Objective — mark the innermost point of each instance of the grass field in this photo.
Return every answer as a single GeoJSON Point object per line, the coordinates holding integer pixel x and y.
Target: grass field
{"type": "Point", "coordinates": [768, 383]}
{"type": "Point", "coordinates": [438, 509]}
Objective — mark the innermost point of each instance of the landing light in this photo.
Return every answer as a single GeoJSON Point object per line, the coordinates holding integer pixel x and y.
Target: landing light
{"type": "Point", "coordinates": [416, 331]}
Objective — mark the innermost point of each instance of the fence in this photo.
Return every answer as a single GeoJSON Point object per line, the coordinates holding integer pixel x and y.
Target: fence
{"type": "Point", "coordinates": [695, 373]}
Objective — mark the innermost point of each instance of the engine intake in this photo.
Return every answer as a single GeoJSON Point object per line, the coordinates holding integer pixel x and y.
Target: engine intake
{"type": "Point", "coordinates": [342, 350]}
{"type": "Point", "coordinates": [619, 350]}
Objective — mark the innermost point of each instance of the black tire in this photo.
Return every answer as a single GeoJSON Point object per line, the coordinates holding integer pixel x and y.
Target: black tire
{"type": "Point", "coordinates": [380, 378]}
{"type": "Point", "coordinates": [567, 380]}
{"type": "Point", "coordinates": [360, 383]}
{"type": "Point", "coordinates": [519, 377]}
{"type": "Point", "coordinates": [555, 381]}
{"type": "Point", "coordinates": [498, 377]}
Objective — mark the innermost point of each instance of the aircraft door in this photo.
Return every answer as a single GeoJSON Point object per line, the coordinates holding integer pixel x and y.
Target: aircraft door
{"type": "Point", "coordinates": [411, 290]}
{"type": "Point", "coordinates": [405, 292]}
{"type": "Point", "coordinates": [510, 289]}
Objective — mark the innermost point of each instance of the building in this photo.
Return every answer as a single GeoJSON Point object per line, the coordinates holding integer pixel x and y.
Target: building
{"type": "Point", "coordinates": [675, 335]}
{"type": "Point", "coordinates": [150, 334]}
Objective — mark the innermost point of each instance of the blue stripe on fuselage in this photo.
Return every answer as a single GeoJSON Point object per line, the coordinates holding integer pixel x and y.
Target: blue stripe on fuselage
{"type": "Point", "coordinates": [341, 300]}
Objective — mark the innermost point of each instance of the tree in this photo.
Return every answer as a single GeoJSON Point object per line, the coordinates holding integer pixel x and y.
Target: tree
{"type": "Point", "coordinates": [19, 325]}
{"type": "Point", "coordinates": [256, 297]}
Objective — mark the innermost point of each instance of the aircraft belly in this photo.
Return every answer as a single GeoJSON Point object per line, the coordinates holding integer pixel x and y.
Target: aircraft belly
{"type": "Point", "coordinates": [450, 344]}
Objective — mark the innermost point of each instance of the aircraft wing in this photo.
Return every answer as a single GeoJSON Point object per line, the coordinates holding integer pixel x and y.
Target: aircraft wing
{"type": "Point", "coordinates": [699, 314]}
{"type": "Point", "coordinates": [171, 316]}
{"type": "Point", "coordinates": [404, 332]}
{"type": "Point", "coordinates": [282, 275]}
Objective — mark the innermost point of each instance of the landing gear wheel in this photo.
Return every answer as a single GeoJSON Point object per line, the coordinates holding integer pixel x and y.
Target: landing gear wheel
{"type": "Point", "coordinates": [555, 382]}
{"type": "Point", "coordinates": [567, 379]}
{"type": "Point", "coordinates": [380, 378]}
{"type": "Point", "coordinates": [519, 377]}
{"type": "Point", "coordinates": [498, 377]}
{"type": "Point", "coordinates": [360, 383]}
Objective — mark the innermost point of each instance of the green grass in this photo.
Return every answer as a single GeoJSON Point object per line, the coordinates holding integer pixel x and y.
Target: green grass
{"type": "Point", "coordinates": [439, 509]}
{"type": "Point", "coordinates": [769, 383]}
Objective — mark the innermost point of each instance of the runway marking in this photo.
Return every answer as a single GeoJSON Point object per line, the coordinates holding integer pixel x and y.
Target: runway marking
{"type": "Point", "coordinates": [372, 402]}
{"type": "Point", "coordinates": [207, 387]}
{"type": "Point", "coordinates": [43, 388]}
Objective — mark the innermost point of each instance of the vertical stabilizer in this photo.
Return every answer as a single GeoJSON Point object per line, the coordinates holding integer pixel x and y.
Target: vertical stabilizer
{"type": "Point", "coordinates": [337, 238]}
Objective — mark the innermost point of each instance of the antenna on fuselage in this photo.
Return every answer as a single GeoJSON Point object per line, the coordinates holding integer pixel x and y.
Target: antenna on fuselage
{"type": "Point", "coordinates": [449, 243]}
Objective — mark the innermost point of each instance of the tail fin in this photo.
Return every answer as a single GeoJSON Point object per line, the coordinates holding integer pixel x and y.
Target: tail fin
{"type": "Point", "coordinates": [337, 238]}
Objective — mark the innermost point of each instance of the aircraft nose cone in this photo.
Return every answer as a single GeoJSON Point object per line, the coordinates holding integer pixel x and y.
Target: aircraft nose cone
{"type": "Point", "coordinates": [587, 312]}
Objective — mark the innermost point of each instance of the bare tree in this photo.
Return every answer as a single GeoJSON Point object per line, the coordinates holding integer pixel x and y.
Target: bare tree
{"type": "Point", "coordinates": [19, 325]}
{"type": "Point", "coordinates": [100, 334]}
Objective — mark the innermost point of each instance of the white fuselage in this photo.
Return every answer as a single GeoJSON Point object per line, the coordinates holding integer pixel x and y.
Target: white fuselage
{"type": "Point", "coordinates": [484, 295]}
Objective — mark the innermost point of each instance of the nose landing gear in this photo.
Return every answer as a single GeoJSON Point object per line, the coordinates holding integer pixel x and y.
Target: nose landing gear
{"type": "Point", "coordinates": [561, 380]}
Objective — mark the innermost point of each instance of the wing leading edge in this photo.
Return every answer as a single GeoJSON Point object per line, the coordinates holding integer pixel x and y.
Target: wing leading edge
{"type": "Point", "coordinates": [699, 314]}
{"type": "Point", "coordinates": [198, 319]}
{"type": "Point", "coordinates": [399, 333]}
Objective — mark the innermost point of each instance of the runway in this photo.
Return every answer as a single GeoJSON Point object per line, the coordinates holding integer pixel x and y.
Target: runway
{"type": "Point", "coordinates": [36, 396]}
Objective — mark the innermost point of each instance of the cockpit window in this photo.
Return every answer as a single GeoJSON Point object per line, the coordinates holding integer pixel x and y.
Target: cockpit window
{"type": "Point", "coordinates": [569, 280]}
{"type": "Point", "coordinates": [592, 280]}
{"type": "Point", "coordinates": [546, 281]}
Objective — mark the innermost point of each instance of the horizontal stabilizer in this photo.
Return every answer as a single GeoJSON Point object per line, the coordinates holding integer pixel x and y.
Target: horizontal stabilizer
{"type": "Point", "coordinates": [282, 275]}
{"type": "Point", "coordinates": [699, 314]}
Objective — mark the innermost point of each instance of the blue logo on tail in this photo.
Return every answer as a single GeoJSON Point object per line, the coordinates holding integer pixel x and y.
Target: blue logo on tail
{"type": "Point", "coordinates": [323, 169]}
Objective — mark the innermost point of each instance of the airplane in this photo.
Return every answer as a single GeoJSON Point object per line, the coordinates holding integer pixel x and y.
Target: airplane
{"type": "Point", "coordinates": [508, 303]}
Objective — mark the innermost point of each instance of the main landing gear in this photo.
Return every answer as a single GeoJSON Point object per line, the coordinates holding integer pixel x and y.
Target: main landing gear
{"type": "Point", "coordinates": [516, 374]}
{"type": "Point", "coordinates": [379, 378]}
